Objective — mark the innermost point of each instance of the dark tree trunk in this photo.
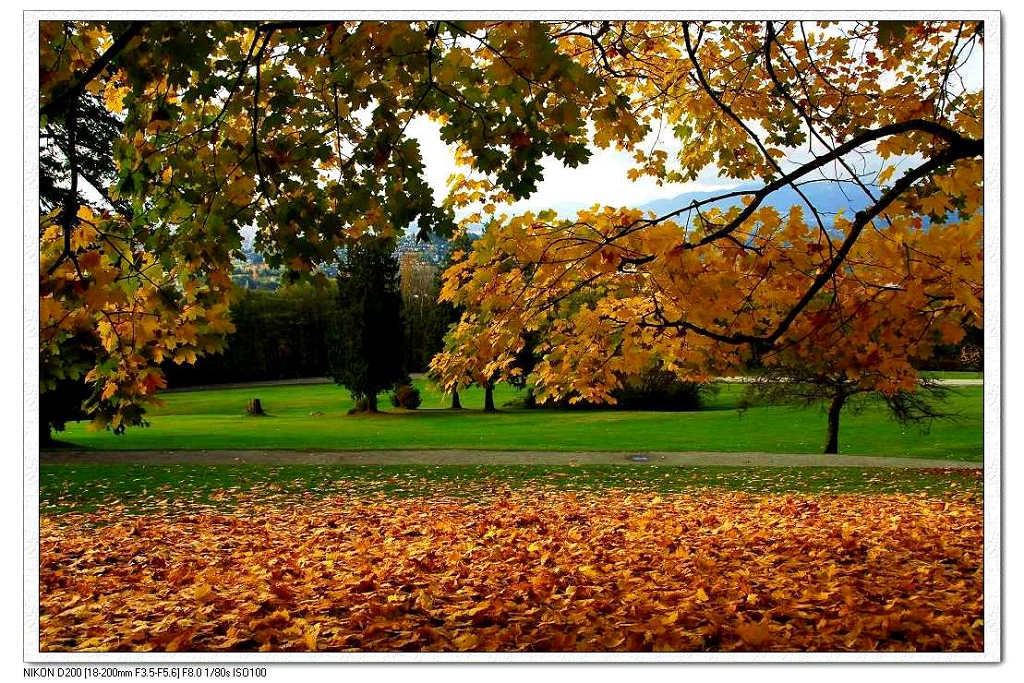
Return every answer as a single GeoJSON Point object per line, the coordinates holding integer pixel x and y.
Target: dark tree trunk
{"type": "Point", "coordinates": [489, 397]}
{"type": "Point", "coordinates": [254, 407]}
{"type": "Point", "coordinates": [456, 403]}
{"type": "Point", "coordinates": [45, 435]}
{"type": "Point", "coordinates": [832, 445]}
{"type": "Point", "coordinates": [371, 403]}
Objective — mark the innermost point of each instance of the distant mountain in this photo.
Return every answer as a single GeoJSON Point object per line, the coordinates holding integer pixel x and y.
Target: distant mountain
{"type": "Point", "coordinates": [827, 198]}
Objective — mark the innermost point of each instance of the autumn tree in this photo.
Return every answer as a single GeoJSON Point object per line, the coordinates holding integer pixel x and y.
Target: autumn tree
{"type": "Point", "coordinates": [447, 314]}
{"type": "Point", "coordinates": [300, 129]}
{"type": "Point", "coordinates": [297, 128]}
{"type": "Point", "coordinates": [889, 310]}
{"type": "Point", "coordinates": [367, 342]}
{"type": "Point", "coordinates": [472, 356]}
{"type": "Point", "coordinates": [871, 344]}
{"type": "Point", "coordinates": [712, 285]}
{"type": "Point", "coordinates": [97, 129]}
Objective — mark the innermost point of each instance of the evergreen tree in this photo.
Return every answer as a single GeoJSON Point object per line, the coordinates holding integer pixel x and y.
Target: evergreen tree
{"type": "Point", "coordinates": [367, 338]}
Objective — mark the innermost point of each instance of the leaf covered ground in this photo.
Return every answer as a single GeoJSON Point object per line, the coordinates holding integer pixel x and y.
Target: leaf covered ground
{"type": "Point", "coordinates": [532, 568]}
{"type": "Point", "coordinates": [141, 488]}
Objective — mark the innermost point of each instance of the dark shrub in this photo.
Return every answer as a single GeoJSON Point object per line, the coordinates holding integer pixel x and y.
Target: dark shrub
{"type": "Point", "coordinates": [654, 390]}
{"type": "Point", "coordinates": [406, 396]}
{"type": "Point", "coordinates": [659, 390]}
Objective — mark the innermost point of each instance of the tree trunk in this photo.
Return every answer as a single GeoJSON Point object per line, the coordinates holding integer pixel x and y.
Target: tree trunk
{"type": "Point", "coordinates": [45, 435]}
{"type": "Point", "coordinates": [456, 403]}
{"type": "Point", "coordinates": [489, 397]}
{"type": "Point", "coordinates": [832, 446]}
{"type": "Point", "coordinates": [371, 403]}
{"type": "Point", "coordinates": [254, 407]}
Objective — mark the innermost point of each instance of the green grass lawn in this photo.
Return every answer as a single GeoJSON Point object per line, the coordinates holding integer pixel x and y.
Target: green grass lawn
{"type": "Point", "coordinates": [952, 374]}
{"type": "Point", "coordinates": [148, 488]}
{"type": "Point", "coordinates": [313, 417]}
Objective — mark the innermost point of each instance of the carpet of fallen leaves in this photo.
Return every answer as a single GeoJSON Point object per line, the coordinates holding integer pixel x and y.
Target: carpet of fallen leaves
{"type": "Point", "coordinates": [540, 570]}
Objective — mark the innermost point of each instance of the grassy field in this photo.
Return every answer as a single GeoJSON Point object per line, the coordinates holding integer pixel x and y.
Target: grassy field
{"type": "Point", "coordinates": [953, 374]}
{"type": "Point", "coordinates": [148, 488]}
{"type": "Point", "coordinates": [313, 417]}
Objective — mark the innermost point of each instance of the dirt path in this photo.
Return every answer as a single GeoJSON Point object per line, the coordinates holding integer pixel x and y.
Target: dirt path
{"type": "Point", "coordinates": [469, 457]}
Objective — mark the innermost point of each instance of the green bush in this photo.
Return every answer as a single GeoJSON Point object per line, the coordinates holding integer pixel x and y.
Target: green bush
{"type": "Point", "coordinates": [654, 390]}
{"type": "Point", "coordinates": [659, 390]}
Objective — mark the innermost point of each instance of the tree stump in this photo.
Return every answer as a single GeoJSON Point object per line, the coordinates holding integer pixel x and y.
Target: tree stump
{"type": "Point", "coordinates": [254, 407]}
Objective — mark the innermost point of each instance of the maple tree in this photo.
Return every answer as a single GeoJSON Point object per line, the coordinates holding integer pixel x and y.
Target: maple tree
{"type": "Point", "coordinates": [706, 289]}
{"type": "Point", "coordinates": [300, 129]}
{"type": "Point", "coordinates": [474, 357]}
{"type": "Point", "coordinates": [887, 316]}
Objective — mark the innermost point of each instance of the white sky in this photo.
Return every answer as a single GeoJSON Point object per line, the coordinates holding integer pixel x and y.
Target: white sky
{"type": "Point", "coordinates": [601, 180]}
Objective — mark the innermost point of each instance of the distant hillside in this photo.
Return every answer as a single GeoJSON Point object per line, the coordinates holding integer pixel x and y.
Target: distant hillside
{"type": "Point", "coordinates": [826, 197]}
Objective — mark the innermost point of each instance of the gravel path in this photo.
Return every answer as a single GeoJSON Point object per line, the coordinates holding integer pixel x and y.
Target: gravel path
{"type": "Point", "coordinates": [470, 457]}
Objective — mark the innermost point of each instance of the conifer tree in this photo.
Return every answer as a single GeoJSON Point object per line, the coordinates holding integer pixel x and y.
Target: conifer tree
{"type": "Point", "coordinates": [367, 338]}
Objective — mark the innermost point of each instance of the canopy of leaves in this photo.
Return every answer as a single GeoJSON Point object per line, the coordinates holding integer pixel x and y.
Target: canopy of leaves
{"type": "Point", "coordinates": [300, 129]}
{"type": "Point", "coordinates": [296, 128]}
{"type": "Point", "coordinates": [705, 289]}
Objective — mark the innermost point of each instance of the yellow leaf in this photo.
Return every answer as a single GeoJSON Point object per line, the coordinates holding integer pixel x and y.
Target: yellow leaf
{"type": "Point", "coordinates": [109, 390]}
{"type": "Point", "coordinates": [203, 592]}
{"type": "Point", "coordinates": [311, 636]}
{"type": "Point", "coordinates": [113, 97]}
{"type": "Point", "coordinates": [467, 641]}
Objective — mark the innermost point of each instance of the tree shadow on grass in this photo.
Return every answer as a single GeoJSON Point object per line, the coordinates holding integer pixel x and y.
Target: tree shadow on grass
{"type": "Point", "coordinates": [433, 412]}
{"type": "Point", "coordinates": [57, 445]}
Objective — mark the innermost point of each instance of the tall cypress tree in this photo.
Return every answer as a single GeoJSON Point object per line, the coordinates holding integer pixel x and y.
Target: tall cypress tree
{"type": "Point", "coordinates": [368, 336]}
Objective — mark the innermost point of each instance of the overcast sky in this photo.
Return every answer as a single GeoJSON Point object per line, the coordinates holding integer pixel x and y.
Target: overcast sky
{"type": "Point", "coordinates": [602, 180]}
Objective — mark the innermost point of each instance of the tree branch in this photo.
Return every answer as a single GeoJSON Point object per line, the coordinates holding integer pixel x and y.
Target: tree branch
{"type": "Point", "coordinates": [60, 103]}
{"type": "Point", "coordinates": [963, 150]}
